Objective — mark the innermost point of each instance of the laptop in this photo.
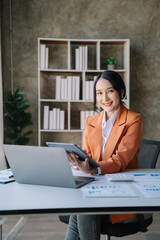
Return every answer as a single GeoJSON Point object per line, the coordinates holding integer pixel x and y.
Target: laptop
{"type": "Point", "coordinates": [42, 166]}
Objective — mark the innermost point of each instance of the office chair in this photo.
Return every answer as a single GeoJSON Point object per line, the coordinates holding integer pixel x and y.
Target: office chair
{"type": "Point", "coordinates": [148, 154]}
{"type": "Point", "coordinates": [147, 158]}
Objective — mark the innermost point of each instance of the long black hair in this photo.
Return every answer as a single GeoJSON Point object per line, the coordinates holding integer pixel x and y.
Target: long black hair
{"type": "Point", "coordinates": [116, 81]}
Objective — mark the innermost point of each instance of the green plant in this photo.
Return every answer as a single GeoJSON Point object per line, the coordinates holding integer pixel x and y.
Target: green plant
{"type": "Point", "coordinates": [110, 60]}
{"type": "Point", "coordinates": [16, 119]}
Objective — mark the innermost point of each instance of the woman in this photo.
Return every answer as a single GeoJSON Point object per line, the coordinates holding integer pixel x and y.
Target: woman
{"type": "Point", "coordinates": [112, 138]}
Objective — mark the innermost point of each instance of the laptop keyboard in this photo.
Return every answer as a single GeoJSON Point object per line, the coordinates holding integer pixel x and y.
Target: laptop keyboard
{"type": "Point", "coordinates": [83, 180]}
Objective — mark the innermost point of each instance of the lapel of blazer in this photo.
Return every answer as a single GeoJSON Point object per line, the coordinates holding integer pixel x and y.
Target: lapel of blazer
{"type": "Point", "coordinates": [96, 135]}
{"type": "Point", "coordinates": [115, 133]}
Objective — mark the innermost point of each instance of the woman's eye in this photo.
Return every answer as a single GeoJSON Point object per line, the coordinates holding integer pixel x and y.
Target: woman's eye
{"type": "Point", "coordinates": [110, 91]}
{"type": "Point", "coordinates": [99, 93]}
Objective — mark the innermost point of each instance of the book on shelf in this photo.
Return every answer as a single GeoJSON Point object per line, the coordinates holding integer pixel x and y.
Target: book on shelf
{"type": "Point", "coordinates": [67, 88]}
{"type": "Point", "coordinates": [88, 93]}
{"type": "Point", "coordinates": [83, 117]}
{"type": "Point", "coordinates": [82, 121]}
{"type": "Point", "coordinates": [77, 86]}
{"type": "Point", "coordinates": [62, 87]}
{"type": "Point", "coordinates": [87, 85]}
{"type": "Point", "coordinates": [50, 119]}
{"type": "Point", "coordinates": [94, 78]}
{"type": "Point", "coordinates": [46, 117]}
{"type": "Point", "coordinates": [73, 88]}
{"type": "Point", "coordinates": [91, 92]}
{"type": "Point", "coordinates": [58, 88]}
{"type": "Point", "coordinates": [81, 58]}
{"type": "Point", "coordinates": [86, 57]}
{"type": "Point", "coordinates": [87, 113]}
{"type": "Point", "coordinates": [62, 120]}
{"type": "Point", "coordinates": [44, 56]}
{"type": "Point", "coordinates": [77, 59]}
{"type": "Point", "coordinates": [56, 119]}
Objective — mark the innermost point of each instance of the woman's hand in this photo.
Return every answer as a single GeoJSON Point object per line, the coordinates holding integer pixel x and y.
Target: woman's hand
{"type": "Point", "coordinates": [82, 165]}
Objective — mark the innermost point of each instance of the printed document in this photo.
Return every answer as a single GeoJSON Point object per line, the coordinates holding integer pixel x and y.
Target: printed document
{"type": "Point", "coordinates": [102, 188]}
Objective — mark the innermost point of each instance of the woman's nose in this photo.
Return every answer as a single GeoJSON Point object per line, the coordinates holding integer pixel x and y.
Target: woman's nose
{"type": "Point", "coordinates": [106, 97]}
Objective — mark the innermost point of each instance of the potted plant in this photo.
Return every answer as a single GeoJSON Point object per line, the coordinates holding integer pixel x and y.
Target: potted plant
{"type": "Point", "coordinates": [16, 119]}
{"type": "Point", "coordinates": [110, 62]}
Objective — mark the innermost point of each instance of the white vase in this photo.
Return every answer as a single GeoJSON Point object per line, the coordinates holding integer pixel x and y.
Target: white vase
{"type": "Point", "coordinates": [110, 66]}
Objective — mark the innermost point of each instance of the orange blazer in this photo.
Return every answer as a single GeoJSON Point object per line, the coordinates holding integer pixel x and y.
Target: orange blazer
{"type": "Point", "coordinates": [121, 149]}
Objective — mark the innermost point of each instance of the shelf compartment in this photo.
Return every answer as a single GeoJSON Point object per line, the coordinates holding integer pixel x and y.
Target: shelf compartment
{"type": "Point", "coordinates": [62, 106]}
{"type": "Point", "coordinates": [48, 83]}
{"type": "Point", "coordinates": [116, 51]}
{"type": "Point", "coordinates": [58, 54]}
{"type": "Point", "coordinates": [76, 108]}
{"type": "Point", "coordinates": [91, 52]}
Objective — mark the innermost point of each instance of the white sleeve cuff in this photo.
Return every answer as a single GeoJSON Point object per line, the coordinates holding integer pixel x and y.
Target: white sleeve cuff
{"type": "Point", "coordinates": [99, 170]}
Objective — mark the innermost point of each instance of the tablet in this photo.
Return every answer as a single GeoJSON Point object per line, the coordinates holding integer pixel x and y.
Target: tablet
{"type": "Point", "coordinates": [70, 147]}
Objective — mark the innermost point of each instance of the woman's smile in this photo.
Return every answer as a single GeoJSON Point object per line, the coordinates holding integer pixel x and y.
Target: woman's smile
{"type": "Point", "coordinates": [107, 104]}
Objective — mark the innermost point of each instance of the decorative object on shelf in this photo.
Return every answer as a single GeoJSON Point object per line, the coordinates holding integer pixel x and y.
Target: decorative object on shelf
{"type": "Point", "coordinates": [16, 119]}
{"type": "Point", "coordinates": [110, 62]}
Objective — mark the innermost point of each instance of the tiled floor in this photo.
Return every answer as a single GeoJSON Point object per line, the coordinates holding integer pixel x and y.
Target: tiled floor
{"type": "Point", "coordinates": [50, 228]}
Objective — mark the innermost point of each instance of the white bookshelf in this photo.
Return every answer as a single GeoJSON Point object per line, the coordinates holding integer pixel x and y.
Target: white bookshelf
{"type": "Point", "coordinates": [61, 62]}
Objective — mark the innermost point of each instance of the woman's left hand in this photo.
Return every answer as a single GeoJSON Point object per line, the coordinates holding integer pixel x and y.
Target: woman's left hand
{"type": "Point", "coordinates": [82, 165]}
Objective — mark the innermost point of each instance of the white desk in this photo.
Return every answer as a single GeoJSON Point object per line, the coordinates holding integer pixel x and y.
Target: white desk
{"type": "Point", "coordinates": [23, 199]}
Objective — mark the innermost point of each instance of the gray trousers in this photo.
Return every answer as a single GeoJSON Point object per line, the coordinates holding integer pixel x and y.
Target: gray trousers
{"type": "Point", "coordinates": [85, 227]}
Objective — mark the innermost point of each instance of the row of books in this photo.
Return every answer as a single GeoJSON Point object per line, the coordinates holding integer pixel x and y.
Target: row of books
{"type": "Point", "coordinates": [88, 93]}
{"type": "Point", "coordinates": [44, 56]}
{"type": "Point", "coordinates": [81, 58]}
{"type": "Point", "coordinates": [67, 88]}
{"type": "Point", "coordinates": [53, 118]}
{"type": "Point", "coordinates": [83, 116]}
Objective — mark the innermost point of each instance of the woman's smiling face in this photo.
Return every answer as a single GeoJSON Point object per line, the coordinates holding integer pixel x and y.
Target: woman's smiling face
{"type": "Point", "coordinates": [107, 97]}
